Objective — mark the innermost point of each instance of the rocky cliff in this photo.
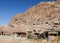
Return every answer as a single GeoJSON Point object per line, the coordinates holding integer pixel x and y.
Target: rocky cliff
{"type": "Point", "coordinates": [44, 15]}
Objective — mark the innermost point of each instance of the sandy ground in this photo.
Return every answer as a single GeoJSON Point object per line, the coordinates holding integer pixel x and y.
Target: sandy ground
{"type": "Point", "coordinates": [10, 39]}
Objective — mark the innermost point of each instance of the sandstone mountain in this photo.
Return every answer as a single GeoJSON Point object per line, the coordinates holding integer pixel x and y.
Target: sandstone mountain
{"type": "Point", "coordinates": [44, 15]}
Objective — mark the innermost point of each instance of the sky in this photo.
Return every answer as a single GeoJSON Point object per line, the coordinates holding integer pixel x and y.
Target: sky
{"type": "Point", "coordinates": [9, 8]}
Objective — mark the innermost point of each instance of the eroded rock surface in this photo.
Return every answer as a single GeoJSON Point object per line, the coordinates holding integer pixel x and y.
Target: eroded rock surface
{"type": "Point", "coordinates": [45, 15]}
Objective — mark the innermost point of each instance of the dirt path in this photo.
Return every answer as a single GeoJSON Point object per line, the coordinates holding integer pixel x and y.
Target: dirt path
{"type": "Point", "coordinates": [8, 39]}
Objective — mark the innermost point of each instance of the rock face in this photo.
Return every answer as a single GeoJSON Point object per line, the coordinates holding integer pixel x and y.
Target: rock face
{"type": "Point", "coordinates": [45, 15]}
{"type": "Point", "coordinates": [1, 29]}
